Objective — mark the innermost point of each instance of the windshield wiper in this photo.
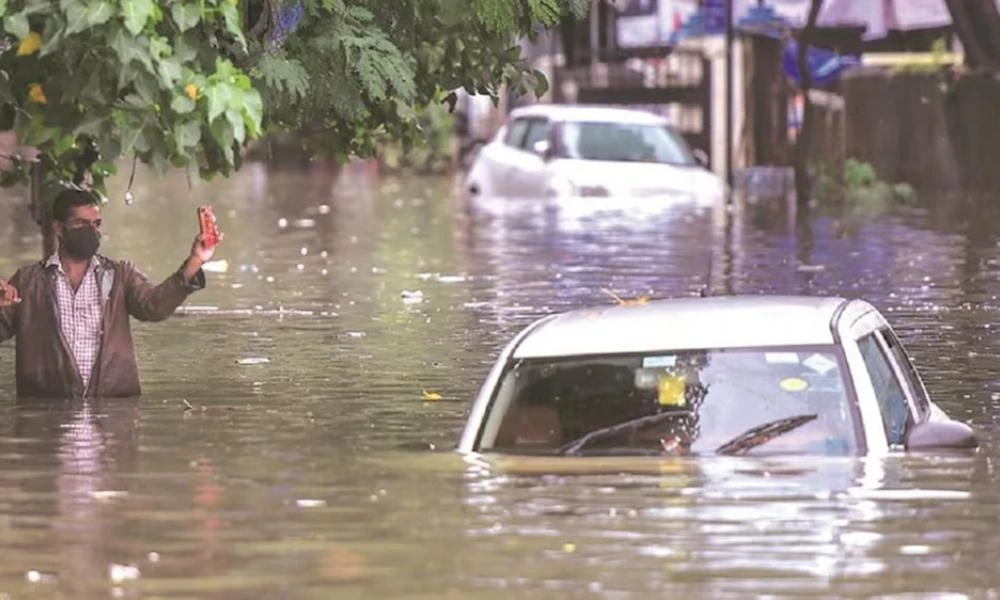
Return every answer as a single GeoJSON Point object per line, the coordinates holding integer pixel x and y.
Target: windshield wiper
{"type": "Point", "coordinates": [630, 425]}
{"type": "Point", "coordinates": [762, 434]}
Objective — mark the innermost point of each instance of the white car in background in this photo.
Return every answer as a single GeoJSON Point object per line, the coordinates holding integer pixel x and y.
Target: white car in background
{"type": "Point", "coordinates": [557, 151]}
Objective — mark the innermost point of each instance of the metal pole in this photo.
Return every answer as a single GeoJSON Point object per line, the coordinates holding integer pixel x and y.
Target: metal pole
{"type": "Point", "coordinates": [595, 28]}
{"type": "Point", "coordinates": [729, 93]}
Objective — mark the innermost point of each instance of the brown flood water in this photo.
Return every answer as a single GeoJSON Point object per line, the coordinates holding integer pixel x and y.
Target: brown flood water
{"type": "Point", "coordinates": [303, 476]}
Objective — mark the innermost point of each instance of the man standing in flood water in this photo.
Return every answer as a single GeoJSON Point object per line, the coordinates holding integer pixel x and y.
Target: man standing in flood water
{"type": "Point", "coordinates": [70, 313]}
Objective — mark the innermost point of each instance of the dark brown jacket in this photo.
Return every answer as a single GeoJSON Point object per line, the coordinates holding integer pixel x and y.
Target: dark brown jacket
{"type": "Point", "coordinates": [45, 367]}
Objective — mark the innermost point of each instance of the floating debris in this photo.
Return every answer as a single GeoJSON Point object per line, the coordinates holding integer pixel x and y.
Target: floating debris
{"type": "Point", "coordinates": [431, 396]}
{"type": "Point", "coordinates": [412, 296]}
{"type": "Point", "coordinates": [355, 334]}
{"type": "Point", "coordinates": [811, 268]}
{"type": "Point", "coordinates": [119, 573]}
{"type": "Point", "coordinates": [253, 361]}
{"type": "Point", "coordinates": [305, 223]}
{"type": "Point", "coordinates": [107, 495]}
{"type": "Point", "coordinates": [216, 266]}
{"type": "Point", "coordinates": [34, 576]}
{"type": "Point", "coordinates": [282, 222]}
{"type": "Point", "coordinates": [309, 503]}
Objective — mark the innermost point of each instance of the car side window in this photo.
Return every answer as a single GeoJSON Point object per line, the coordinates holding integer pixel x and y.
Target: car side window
{"type": "Point", "coordinates": [515, 133]}
{"type": "Point", "coordinates": [537, 131]}
{"type": "Point", "coordinates": [888, 391]}
{"type": "Point", "coordinates": [909, 372]}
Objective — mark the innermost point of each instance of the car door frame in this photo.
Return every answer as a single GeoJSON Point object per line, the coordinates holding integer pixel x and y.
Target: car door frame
{"type": "Point", "coordinates": [857, 321]}
{"type": "Point", "coordinates": [502, 155]}
{"type": "Point", "coordinates": [525, 175]}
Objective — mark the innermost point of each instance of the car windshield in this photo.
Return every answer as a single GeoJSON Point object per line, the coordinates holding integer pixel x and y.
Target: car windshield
{"type": "Point", "coordinates": [729, 401]}
{"type": "Point", "coordinates": [623, 142]}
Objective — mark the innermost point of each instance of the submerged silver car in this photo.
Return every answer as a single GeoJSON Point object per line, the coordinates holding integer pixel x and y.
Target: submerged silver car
{"type": "Point", "coordinates": [718, 375]}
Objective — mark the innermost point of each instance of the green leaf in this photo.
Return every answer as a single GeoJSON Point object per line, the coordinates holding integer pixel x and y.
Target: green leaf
{"type": "Point", "coordinates": [193, 172]}
{"type": "Point", "coordinates": [181, 104]}
{"type": "Point", "coordinates": [184, 51]}
{"type": "Point", "coordinates": [170, 71]}
{"type": "Point", "coordinates": [541, 83]}
{"type": "Point", "coordinates": [110, 148]}
{"type": "Point", "coordinates": [130, 140]}
{"type": "Point", "coordinates": [159, 47]}
{"type": "Point", "coordinates": [93, 127]}
{"type": "Point", "coordinates": [253, 112]}
{"type": "Point", "coordinates": [99, 12]}
{"type": "Point", "coordinates": [63, 144]}
{"type": "Point", "coordinates": [231, 16]}
{"type": "Point", "coordinates": [137, 13]}
{"type": "Point", "coordinates": [223, 136]}
{"type": "Point", "coordinates": [146, 87]}
{"type": "Point", "coordinates": [76, 18]}
{"type": "Point", "coordinates": [185, 15]}
{"type": "Point", "coordinates": [218, 98]}
{"type": "Point", "coordinates": [159, 163]}
{"type": "Point", "coordinates": [17, 25]}
{"type": "Point", "coordinates": [361, 14]}
{"type": "Point", "coordinates": [51, 42]}
{"type": "Point", "coordinates": [187, 134]}
{"type": "Point", "coordinates": [236, 122]}
{"type": "Point", "coordinates": [131, 48]}
{"type": "Point", "coordinates": [137, 102]}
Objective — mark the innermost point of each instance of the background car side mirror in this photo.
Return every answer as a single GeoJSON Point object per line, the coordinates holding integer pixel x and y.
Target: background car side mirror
{"type": "Point", "coordinates": [543, 149]}
{"type": "Point", "coordinates": [700, 156]}
{"type": "Point", "coordinates": [941, 435]}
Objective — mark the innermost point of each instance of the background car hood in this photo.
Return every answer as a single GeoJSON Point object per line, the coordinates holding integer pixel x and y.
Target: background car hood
{"type": "Point", "coordinates": [639, 179]}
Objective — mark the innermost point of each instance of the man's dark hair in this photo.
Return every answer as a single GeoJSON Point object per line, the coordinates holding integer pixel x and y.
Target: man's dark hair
{"type": "Point", "coordinates": [69, 199]}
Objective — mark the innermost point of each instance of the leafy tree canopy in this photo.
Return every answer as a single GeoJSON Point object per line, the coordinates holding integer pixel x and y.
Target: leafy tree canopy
{"type": "Point", "coordinates": [188, 83]}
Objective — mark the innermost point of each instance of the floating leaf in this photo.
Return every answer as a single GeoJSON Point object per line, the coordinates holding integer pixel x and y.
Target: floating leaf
{"type": "Point", "coordinates": [622, 302]}
{"type": "Point", "coordinates": [431, 396]}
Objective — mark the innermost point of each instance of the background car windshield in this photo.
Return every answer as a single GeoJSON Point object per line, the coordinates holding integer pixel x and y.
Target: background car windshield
{"type": "Point", "coordinates": [627, 142]}
{"type": "Point", "coordinates": [715, 395]}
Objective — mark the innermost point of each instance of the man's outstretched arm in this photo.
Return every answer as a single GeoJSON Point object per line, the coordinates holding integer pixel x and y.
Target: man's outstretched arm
{"type": "Point", "coordinates": [147, 302]}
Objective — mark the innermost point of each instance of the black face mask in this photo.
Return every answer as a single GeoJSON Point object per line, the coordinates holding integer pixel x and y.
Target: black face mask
{"type": "Point", "coordinates": [81, 242]}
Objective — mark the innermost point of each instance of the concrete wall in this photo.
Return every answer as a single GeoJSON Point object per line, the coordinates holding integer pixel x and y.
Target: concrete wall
{"type": "Point", "coordinates": [924, 129]}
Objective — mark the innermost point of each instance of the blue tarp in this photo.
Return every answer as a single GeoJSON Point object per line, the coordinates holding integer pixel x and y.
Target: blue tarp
{"type": "Point", "coordinates": [825, 66]}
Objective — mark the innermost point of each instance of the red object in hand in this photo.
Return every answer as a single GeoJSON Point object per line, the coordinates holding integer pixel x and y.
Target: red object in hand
{"type": "Point", "coordinates": [209, 226]}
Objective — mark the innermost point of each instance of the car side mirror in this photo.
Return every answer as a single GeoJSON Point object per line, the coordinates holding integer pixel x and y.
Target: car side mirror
{"type": "Point", "coordinates": [941, 435]}
{"type": "Point", "coordinates": [542, 148]}
{"type": "Point", "coordinates": [700, 156]}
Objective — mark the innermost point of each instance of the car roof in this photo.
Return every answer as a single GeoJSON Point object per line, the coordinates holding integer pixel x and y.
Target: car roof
{"type": "Point", "coordinates": [684, 323]}
{"type": "Point", "coordinates": [581, 112]}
